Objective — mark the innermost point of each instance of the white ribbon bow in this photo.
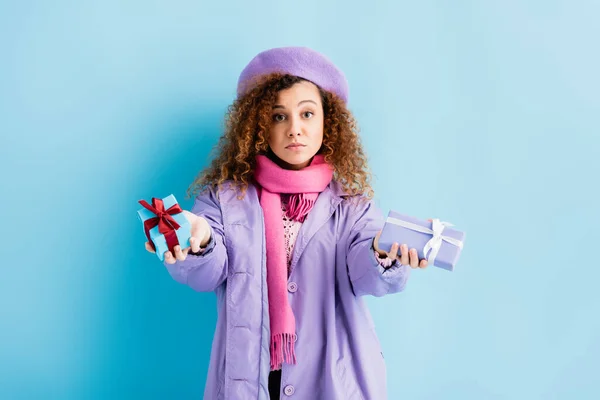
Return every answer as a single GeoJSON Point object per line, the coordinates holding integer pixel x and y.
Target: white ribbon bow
{"type": "Point", "coordinates": [435, 242]}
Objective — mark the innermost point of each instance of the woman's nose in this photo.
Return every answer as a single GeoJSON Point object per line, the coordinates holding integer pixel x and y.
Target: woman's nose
{"type": "Point", "coordinates": [294, 127]}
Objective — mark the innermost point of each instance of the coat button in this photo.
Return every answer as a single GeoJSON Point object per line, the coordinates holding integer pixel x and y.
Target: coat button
{"type": "Point", "coordinates": [292, 287]}
{"type": "Point", "coordinates": [289, 390]}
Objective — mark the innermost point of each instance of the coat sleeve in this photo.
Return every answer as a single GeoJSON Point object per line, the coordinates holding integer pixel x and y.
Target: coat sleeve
{"type": "Point", "coordinates": [207, 270]}
{"type": "Point", "coordinates": [367, 275]}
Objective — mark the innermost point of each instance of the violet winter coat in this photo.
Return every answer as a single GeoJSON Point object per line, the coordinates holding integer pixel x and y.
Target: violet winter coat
{"type": "Point", "coordinates": [338, 353]}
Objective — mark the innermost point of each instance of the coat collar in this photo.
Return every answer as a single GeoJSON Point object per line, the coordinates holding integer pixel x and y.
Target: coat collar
{"type": "Point", "coordinates": [237, 211]}
{"type": "Point", "coordinates": [324, 207]}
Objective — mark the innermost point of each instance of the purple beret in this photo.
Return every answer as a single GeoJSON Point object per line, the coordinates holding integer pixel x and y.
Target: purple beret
{"type": "Point", "coordinates": [298, 61]}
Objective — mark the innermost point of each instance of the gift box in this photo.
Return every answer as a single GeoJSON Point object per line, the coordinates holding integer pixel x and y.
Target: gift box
{"type": "Point", "coordinates": [434, 240]}
{"type": "Point", "coordinates": [165, 225]}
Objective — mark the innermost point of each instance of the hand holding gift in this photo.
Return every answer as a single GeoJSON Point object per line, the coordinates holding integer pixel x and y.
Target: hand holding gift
{"type": "Point", "coordinates": [200, 236]}
{"type": "Point", "coordinates": [172, 232]}
{"type": "Point", "coordinates": [434, 241]}
{"type": "Point", "coordinates": [406, 257]}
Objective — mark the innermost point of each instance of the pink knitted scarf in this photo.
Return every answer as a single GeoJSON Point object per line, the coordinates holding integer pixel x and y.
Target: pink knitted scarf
{"type": "Point", "coordinates": [304, 187]}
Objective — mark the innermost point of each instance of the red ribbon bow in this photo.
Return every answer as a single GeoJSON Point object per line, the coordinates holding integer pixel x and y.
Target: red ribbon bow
{"type": "Point", "coordinates": [166, 223]}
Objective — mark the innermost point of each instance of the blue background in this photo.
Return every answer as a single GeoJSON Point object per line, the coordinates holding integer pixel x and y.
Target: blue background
{"type": "Point", "coordinates": [484, 114]}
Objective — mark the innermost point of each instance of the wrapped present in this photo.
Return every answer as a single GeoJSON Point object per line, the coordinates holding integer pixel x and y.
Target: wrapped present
{"type": "Point", "coordinates": [165, 225]}
{"type": "Point", "coordinates": [434, 240]}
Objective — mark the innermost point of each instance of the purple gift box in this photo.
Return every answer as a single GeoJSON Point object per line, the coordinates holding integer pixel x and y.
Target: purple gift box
{"type": "Point", "coordinates": [428, 237]}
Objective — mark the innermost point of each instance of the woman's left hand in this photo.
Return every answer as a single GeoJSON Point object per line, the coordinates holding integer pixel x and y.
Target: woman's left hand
{"type": "Point", "coordinates": [406, 257]}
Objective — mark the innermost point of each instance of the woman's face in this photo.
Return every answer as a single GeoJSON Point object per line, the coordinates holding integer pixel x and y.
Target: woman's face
{"type": "Point", "coordinates": [296, 132]}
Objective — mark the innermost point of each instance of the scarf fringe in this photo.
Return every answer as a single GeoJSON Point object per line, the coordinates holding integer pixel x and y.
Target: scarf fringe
{"type": "Point", "coordinates": [299, 206]}
{"type": "Point", "coordinates": [282, 349]}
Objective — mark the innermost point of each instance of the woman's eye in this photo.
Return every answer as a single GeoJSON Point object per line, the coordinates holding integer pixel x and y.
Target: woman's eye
{"type": "Point", "coordinates": [278, 117]}
{"type": "Point", "coordinates": [308, 114]}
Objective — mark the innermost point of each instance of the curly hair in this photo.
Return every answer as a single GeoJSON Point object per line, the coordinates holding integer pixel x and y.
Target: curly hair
{"type": "Point", "coordinates": [247, 125]}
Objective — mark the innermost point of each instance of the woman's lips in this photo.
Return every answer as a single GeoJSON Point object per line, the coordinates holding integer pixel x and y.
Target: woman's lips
{"type": "Point", "coordinates": [295, 146]}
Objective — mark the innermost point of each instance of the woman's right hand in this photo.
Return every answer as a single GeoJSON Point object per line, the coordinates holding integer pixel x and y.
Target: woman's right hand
{"type": "Point", "coordinates": [200, 236]}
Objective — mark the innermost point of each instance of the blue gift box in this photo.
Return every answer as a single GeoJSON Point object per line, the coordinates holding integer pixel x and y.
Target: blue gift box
{"type": "Point", "coordinates": [427, 237]}
{"type": "Point", "coordinates": [183, 233]}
